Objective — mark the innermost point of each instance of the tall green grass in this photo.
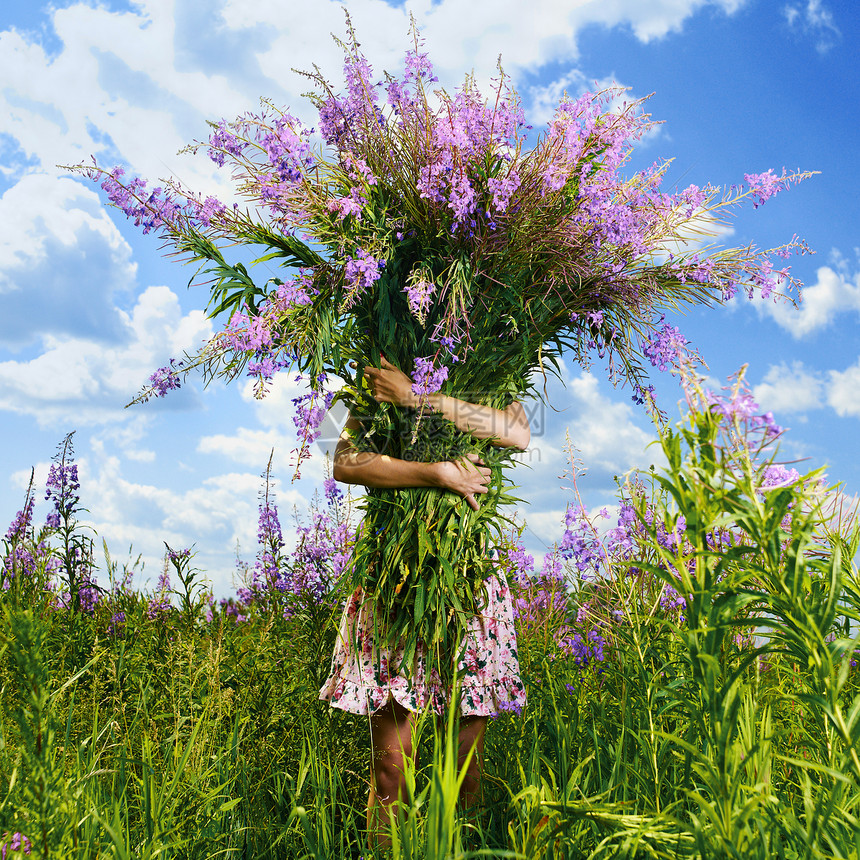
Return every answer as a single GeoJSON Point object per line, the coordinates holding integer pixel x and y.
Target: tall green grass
{"type": "Point", "coordinates": [725, 725]}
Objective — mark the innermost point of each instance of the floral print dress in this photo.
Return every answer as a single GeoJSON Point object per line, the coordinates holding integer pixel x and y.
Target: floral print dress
{"type": "Point", "coordinates": [362, 679]}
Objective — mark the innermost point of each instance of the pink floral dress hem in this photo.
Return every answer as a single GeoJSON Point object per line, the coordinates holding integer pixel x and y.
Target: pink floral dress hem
{"type": "Point", "coordinates": [362, 682]}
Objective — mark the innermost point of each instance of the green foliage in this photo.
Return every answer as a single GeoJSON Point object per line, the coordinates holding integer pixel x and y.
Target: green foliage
{"type": "Point", "coordinates": [722, 724]}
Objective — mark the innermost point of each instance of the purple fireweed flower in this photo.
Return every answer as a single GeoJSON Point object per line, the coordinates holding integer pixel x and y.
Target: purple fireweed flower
{"type": "Point", "coordinates": [580, 542]}
{"type": "Point", "coordinates": [20, 526]}
{"type": "Point", "coordinates": [333, 493]}
{"type": "Point", "coordinates": [776, 475]}
{"type": "Point", "coordinates": [427, 379]}
{"type": "Point", "coordinates": [419, 296]}
{"type": "Point", "coordinates": [151, 210]}
{"type": "Point", "coordinates": [587, 652]}
{"type": "Point", "coordinates": [62, 490]}
{"type": "Point", "coordinates": [223, 142]}
{"type": "Point", "coordinates": [89, 593]}
{"type": "Point", "coordinates": [671, 600]}
{"type": "Point", "coordinates": [765, 185]}
{"type": "Point", "coordinates": [508, 707]}
{"type": "Point", "coordinates": [159, 603]}
{"type": "Point", "coordinates": [295, 293]}
{"type": "Point", "coordinates": [310, 410]}
{"type": "Point", "coordinates": [165, 379]}
{"type": "Point", "coordinates": [16, 842]}
{"type": "Point", "coordinates": [247, 333]}
{"type": "Point", "coordinates": [665, 347]}
{"type": "Point", "coordinates": [741, 407]}
{"type": "Point", "coordinates": [117, 624]}
{"type": "Point", "coordinates": [619, 541]}
{"type": "Point", "coordinates": [360, 273]}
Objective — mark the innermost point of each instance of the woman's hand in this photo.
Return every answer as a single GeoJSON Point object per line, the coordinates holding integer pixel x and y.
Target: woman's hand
{"type": "Point", "coordinates": [389, 384]}
{"type": "Point", "coordinates": [466, 476]}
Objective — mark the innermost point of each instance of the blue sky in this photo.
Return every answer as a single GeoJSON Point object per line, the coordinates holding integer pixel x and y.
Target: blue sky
{"type": "Point", "coordinates": [90, 307]}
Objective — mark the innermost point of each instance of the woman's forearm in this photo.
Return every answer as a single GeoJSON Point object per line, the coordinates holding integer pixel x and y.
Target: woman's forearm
{"type": "Point", "coordinates": [507, 427]}
{"type": "Point", "coordinates": [380, 470]}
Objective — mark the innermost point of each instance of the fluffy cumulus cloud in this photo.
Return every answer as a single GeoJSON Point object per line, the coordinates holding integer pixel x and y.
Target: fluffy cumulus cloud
{"type": "Point", "coordinates": [86, 381]}
{"type": "Point", "coordinates": [139, 104]}
{"type": "Point", "coordinates": [815, 20]}
{"type": "Point", "coordinates": [843, 392]}
{"type": "Point", "coordinates": [275, 435]}
{"type": "Point", "coordinates": [62, 263]}
{"type": "Point", "coordinates": [605, 432]}
{"type": "Point", "coordinates": [834, 292]}
{"type": "Point", "coordinates": [790, 388]}
{"type": "Point", "coordinates": [216, 516]}
{"type": "Point", "coordinates": [460, 37]}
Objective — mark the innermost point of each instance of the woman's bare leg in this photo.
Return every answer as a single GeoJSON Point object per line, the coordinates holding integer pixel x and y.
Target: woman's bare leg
{"type": "Point", "coordinates": [391, 743]}
{"type": "Point", "coordinates": [471, 737]}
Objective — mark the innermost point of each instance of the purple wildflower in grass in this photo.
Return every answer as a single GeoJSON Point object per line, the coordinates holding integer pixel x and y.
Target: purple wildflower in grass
{"type": "Point", "coordinates": [116, 627]}
{"type": "Point", "coordinates": [580, 543]}
{"type": "Point", "coordinates": [22, 558]}
{"type": "Point", "coordinates": [321, 555]}
{"type": "Point", "coordinates": [743, 408]}
{"type": "Point", "coordinates": [665, 347]}
{"type": "Point", "coordinates": [619, 541]}
{"type": "Point", "coordinates": [61, 489]}
{"type": "Point", "coordinates": [21, 525]}
{"type": "Point", "coordinates": [89, 593]}
{"type": "Point", "coordinates": [159, 603]}
{"type": "Point", "coordinates": [229, 609]}
{"type": "Point", "coordinates": [777, 475]}
{"type": "Point", "coordinates": [587, 652]}
{"type": "Point", "coordinates": [427, 379]}
{"type": "Point", "coordinates": [333, 493]}
{"type": "Point", "coordinates": [267, 569]}
{"type": "Point", "coordinates": [506, 707]}
{"type": "Point", "coordinates": [671, 600]}
{"type": "Point", "coordinates": [503, 189]}
{"type": "Point", "coordinates": [165, 379]}
{"type": "Point", "coordinates": [14, 842]}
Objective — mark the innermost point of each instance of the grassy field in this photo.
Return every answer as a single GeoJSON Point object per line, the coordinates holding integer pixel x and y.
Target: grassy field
{"type": "Point", "coordinates": [692, 689]}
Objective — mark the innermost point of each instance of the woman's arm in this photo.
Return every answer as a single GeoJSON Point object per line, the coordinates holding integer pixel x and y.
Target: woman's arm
{"type": "Point", "coordinates": [466, 476]}
{"type": "Point", "coordinates": [508, 428]}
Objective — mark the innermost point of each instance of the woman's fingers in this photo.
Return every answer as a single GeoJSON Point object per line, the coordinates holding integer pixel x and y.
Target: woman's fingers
{"type": "Point", "coordinates": [472, 502]}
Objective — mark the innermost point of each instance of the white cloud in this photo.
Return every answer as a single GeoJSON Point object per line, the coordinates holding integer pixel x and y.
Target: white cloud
{"type": "Point", "coordinates": [252, 446]}
{"type": "Point", "coordinates": [844, 392]}
{"type": "Point", "coordinates": [832, 293]}
{"type": "Point", "coordinates": [83, 381]}
{"type": "Point", "coordinates": [604, 431]}
{"type": "Point", "coordinates": [789, 389]}
{"type": "Point", "coordinates": [460, 37]}
{"type": "Point", "coordinates": [814, 20]}
{"type": "Point", "coordinates": [62, 262]}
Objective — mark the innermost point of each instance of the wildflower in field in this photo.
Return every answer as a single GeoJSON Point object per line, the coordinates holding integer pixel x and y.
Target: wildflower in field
{"type": "Point", "coordinates": [14, 842]}
{"type": "Point", "coordinates": [159, 603]}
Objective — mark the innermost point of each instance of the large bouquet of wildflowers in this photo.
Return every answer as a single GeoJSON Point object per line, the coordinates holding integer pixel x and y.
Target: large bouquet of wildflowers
{"type": "Point", "coordinates": [421, 227]}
